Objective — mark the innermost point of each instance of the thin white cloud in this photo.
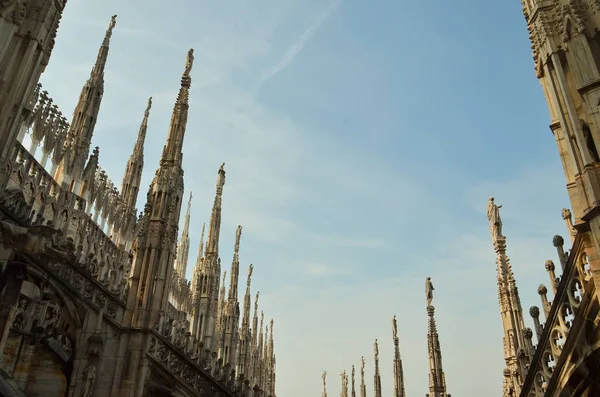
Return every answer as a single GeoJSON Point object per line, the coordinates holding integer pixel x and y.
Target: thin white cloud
{"type": "Point", "coordinates": [300, 43]}
{"type": "Point", "coordinates": [320, 269]}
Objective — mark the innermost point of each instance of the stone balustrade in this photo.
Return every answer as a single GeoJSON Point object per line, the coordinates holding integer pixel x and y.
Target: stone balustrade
{"type": "Point", "coordinates": [49, 130]}
{"type": "Point", "coordinates": [559, 314]}
{"type": "Point", "coordinates": [174, 348]}
{"type": "Point", "coordinates": [33, 196]}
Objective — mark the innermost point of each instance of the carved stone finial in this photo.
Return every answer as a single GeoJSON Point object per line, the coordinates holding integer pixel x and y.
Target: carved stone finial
{"type": "Point", "coordinates": [558, 241]}
{"type": "Point", "coordinates": [542, 290]}
{"type": "Point", "coordinates": [549, 265]}
{"type": "Point", "coordinates": [534, 311]}
{"type": "Point", "coordinates": [395, 327]}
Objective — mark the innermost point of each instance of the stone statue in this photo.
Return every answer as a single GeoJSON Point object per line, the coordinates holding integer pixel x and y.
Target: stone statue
{"type": "Point", "coordinates": [493, 215]}
{"type": "Point", "coordinates": [429, 291]}
{"type": "Point", "coordinates": [362, 368]}
{"type": "Point", "coordinates": [395, 328]}
{"type": "Point", "coordinates": [324, 380]}
{"type": "Point", "coordinates": [113, 22]}
{"type": "Point", "coordinates": [376, 347]}
{"type": "Point", "coordinates": [89, 374]}
{"type": "Point", "coordinates": [189, 62]}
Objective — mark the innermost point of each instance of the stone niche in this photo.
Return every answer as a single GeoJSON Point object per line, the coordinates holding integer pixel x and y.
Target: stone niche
{"type": "Point", "coordinates": [39, 348]}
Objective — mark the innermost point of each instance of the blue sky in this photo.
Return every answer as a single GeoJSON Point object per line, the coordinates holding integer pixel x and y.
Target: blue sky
{"type": "Point", "coordinates": [361, 141]}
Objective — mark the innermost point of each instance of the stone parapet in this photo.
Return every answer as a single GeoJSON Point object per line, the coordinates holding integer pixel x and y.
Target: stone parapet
{"type": "Point", "coordinates": [34, 199]}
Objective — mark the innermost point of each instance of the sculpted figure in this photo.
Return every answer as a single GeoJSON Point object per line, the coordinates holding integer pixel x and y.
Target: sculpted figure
{"type": "Point", "coordinates": [89, 374]}
{"type": "Point", "coordinates": [362, 368]}
{"type": "Point", "coordinates": [324, 380]}
{"type": "Point", "coordinates": [395, 328]}
{"type": "Point", "coordinates": [189, 62]}
{"type": "Point", "coordinates": [493, 215]}
{"type": "Point", "coordinates": [429, 291]}
{"type": "Point", "coordinates": [376, 347]}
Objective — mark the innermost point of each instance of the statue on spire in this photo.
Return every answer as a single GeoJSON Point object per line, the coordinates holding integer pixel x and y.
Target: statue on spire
{"type": "Point", "coordinates": [395, 327]}
{"type": "Point", "coordinates": [493, 215]}
{"type": "Point", "coordinates": [113, 22]}
{"type": "Point", "coordinates": [429, 291]}
{"type": "Point", "coordinates": [324, 382]}
{"type": "Point", "coordinates": [238, 235]}
{"type": "Point", "coordinates": [189, 62]}
{"type": "Point", "coordinates": [362, 367]}
{"type": "Point", "coordinates": [221, 177]}
{"type": "Point", "coordinates": [376, 348]}
{"type": "Point", "coordinates": [250, 277]}
{"type": "Point", "coordinates": [111, 26]}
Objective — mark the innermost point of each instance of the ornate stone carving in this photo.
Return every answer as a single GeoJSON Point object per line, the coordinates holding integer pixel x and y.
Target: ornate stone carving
{"type": "Point", "coordinates": [493, 215]}
{"type": "Point", "coordinates": [428, 291]}
{"type": "Point", "coordinates": [89, 376]}
{"type": "Point", "coordinates": [13, 10]}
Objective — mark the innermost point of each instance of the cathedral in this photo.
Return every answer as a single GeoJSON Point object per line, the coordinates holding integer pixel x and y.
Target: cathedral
{"type": "Point", "coordinates": [560, 356]}
{"type": "Point", "coordinates": [94, 298]}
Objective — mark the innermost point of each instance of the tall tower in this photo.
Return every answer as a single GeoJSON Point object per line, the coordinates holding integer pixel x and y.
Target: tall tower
{"type": "Point", "coordinates": [344, 377]}
{"type": "Point", "coordinates": [231, 307]}
{"type": "Point", "coordinates": [183, 248]}
{"type": "Point", "coordinates": [363, 386]}
{"type": "Point", "coordinates": [566, 53]}
{"type": "Point", "coordinates": [270, 365]}
{"type": "Point", "coordinates": [154, 247]}
{"type": "Point", "coordinates": [197, 267]}
{"type": "Point", "coordinates": [377, 376]}
{"type": "Point", "coordinates": [245, 339]}
{"type": "Point", "coordinates": [516, 349]}
{"type": "Point", "coordinates": [353, 389]}
{"type": "Point", "coordinates": [207, 291]}
{"type": "Point", "coordinates": [398, 371]}
{"type": "Point", "coordinates": [437, 380]}
{"type": "Point", "coordinates": [28, 31]}
{"type": "Point", "coordinates": [132, 180]}
{"type": "Point", "coordinates": [85, 115]}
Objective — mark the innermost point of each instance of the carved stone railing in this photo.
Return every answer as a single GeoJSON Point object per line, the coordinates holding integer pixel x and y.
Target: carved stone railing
{"type": "Point", "coordinates": [49, 130]}
{"type": "Point", "coordinates": [32, 197]}
{"type": "Point", "coordinates": [568, 293]}
{"type": "Point", "coordinates": [195, 368]}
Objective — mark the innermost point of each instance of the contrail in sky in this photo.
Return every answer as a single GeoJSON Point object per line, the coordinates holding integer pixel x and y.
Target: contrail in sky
{"type": "Point", "coordinates": [299, 45]}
